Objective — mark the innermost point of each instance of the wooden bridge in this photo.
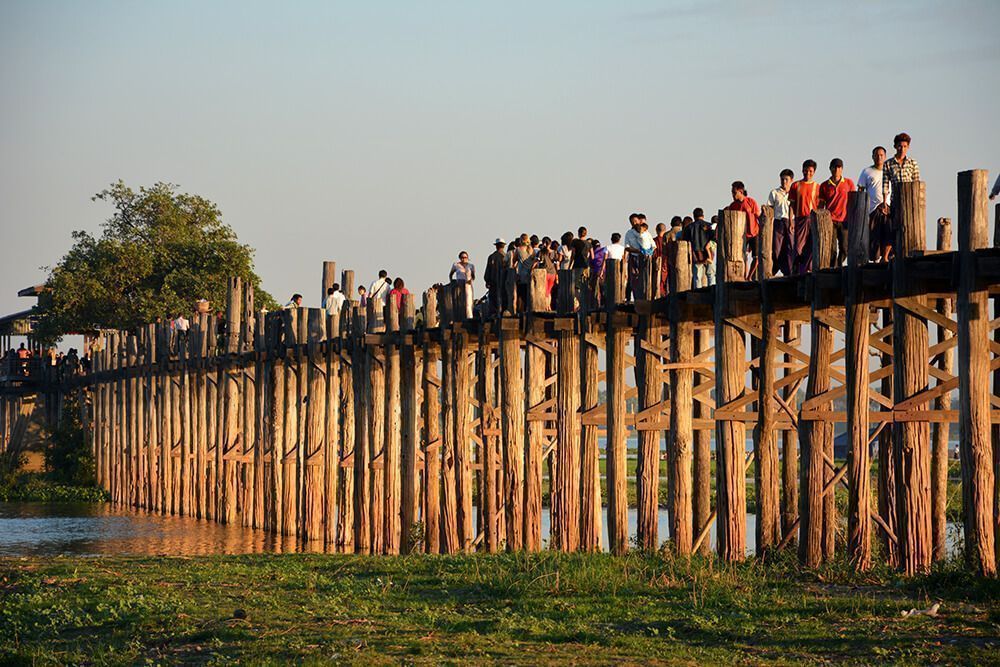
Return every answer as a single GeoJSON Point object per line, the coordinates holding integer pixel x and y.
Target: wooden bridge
{"type": "Point", "coordinates": [418, 429]}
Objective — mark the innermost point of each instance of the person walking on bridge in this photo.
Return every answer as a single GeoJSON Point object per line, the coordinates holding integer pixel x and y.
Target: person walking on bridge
{"type": "Point", "coordinates": [496, 277]}
{"type": "Point", "coordinates": [461, 275]}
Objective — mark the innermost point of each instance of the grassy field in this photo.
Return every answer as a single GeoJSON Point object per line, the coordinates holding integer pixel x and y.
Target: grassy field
{"type": "Point", "coordinates": [542, 608]}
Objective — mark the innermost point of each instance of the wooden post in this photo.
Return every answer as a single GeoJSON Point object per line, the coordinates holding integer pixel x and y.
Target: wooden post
{"type": "Point", "coordinates": [376, 426]}
{"type": "Point", "coordinates": [791, 333]}
{"type": "Point", "coordinates": [345, 451]}
{"type": "Point", "coordinates": [362, 454]}
{"type": "Point", "coordinates": [766, 482]}
{"type": "Point", "coordinates": [978, 480]}
{"type": "Point", "coordinates": [302, 402]}
{"type": "Point", "coordinates": [649, 383]}
{"type": "Point", "coordinates": [231, 448]}
{"type": "Point", "coordinates": [680, 450]}
{"type": "Point", "coordinates": [449, 491]}
{"type": "Point", "coordinates": [410, 424]}
{"type": "Point", "coordinates": [290, 455]}
{"type": "Point", "coordinates": [248, 414]}
{"type": "Point", "coordinates": [486, 396]}
{"type": "Point", "coordinates": [462, 406]}
{"type": "Point", "coordinates": [432, 427]}
{"type": "Point", "coordinates": [184, 489]}
{"type": "Point", "coordinates": [910, 377]}
{"type": "Point", "coordinates": [701, 502]}
{"type": "Point", "coordinates": [314, 455]}
{"type": "Point", "coordinates": [566, 504]}
{"type": "Point", "coordinates": [886, 464]}
{"type": "Point", "coordinates": [730, 384]}
{"type": "Point", "coordinates": [815, 432]}
{"type": "Point", "coordinates": [213, 425]}
{"type": "Point", "coordinates": [590, 507]}
{"type": "Point", "coordinates": [203, 482]}
{"type": "Point", "coordinates": [512, 430]}
{"type": "Point", "coordinates": [329, 278]}
{"type": "Point", "coordinates": [392, 455]}
{"type": "Point", "coordinates": [347, 285]}
{"type": "Point", "coordinates": [260, 424]}
{"type": "Point", "coordinates": [859, 539]}
{"type": "Point", "coordinates": [939, 447]}
{"type": "Point", "coordinates": [615, 447]}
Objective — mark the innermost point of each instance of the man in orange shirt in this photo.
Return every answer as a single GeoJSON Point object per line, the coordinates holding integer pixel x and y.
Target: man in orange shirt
{"type": "Point", "coordinates": [833, 197]}
{"type": "Point", "coordinates": [804, 197]}
{"type": "Point", "coordinates": [747, 204]}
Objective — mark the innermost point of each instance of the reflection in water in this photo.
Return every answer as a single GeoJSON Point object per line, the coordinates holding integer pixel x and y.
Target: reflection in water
{"type": "Point", "coordinates": [46, 529]}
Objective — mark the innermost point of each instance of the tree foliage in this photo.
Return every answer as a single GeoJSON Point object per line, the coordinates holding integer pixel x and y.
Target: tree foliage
{"type": "Point", "coordinates": [160, 252]}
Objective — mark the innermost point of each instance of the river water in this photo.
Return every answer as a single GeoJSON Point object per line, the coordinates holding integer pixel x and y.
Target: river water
{"type": "Point", "coordinates": [46, 529]}
{"type": "Point", "coordinates": [50, 529]}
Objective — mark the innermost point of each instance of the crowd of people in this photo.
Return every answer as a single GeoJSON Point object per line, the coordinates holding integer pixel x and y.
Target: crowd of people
{"type": "Point", "coordinates": [67, 364]}
{"type": "Point", "coordinates": [793, 202]}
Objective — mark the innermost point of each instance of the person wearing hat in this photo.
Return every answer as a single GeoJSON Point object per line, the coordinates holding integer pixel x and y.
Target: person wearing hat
{"type": "Point", "coordinates": [496, 273]}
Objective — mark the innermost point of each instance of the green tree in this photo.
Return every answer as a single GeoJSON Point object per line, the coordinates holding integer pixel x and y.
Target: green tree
{"type": "Point", "coordinates": [159, 253]}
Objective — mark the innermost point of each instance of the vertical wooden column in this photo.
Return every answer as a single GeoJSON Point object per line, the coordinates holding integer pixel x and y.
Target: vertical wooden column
{"type": "Point", "coordinates": [392, 455]}
{"type": "Point", "coordinates": [302, 403]}
{"type": "Point", "coordinates": [975, 447]}
{"type": "Point", "coordinates": [487, 399]}
{"type": "Point", "coordinates": [939, 445]}
{"type": "Point", "coordinates": [815, 431]}
{"type": "Point", "coordinates": [275, 447]}
{"type": "Point", "coordinates": [231, 448]}
{"type": "Point", "coordinates": [200, 352]}
{"type": "Point", "coordinates": [342, 470]}
{"type": "Point", "coordinates": [362, 455]}
{"type": "Point", "coordinates": [432, 425]}
{"type": "Point", "coordinates": [534, 386]}
{"type": "Point", "coordinates": [617, 412]}
{"type": "Point", "coordinates": [462, 407]}
{"type": "Point", "coordinates": [701, 501]}
{"type": "Point", "coordinates": [165, 413]}
{"type": "Point", "coordinates": [680, 450]}
{"type": "Point", "coordinates": [248, 410]}
{"type": "Point", "coordinates": [859, 538]}
{"type": "Point", "coordinates": [260, 419]}
{"type": "Point", "coordinates": [131, 418]}
{"type": "Point", "coordinates": [730, 384]}
{"type": "Point", "coordinates": [791, 334]}
{"type": "Point", "coordinates": [910, 377]}
{"type": "Point", "coordinates": [449, 491]}
{"type": "Point", "coordinates": [329, 278]}
{"type": "Point", "coordinates": [566, 504]}
{"type": "Point", "coordinates": [649, 382]}
{"type": "Point", "coordinates": [513, 427]}
{"type": "Point", "coordinates": [185, 489]}
{"type": "Point", "coordinates": [410, 425]}
{"type": "Point", "coordinates": [289, 455]}
{"type": "Point", "coordinates": [149, 415]}
{"type": "Point", "coordinates": [314, 444]}
{"type": "Point", "coordinates": [590, 483]}
{"type": "Point", "coordinates": [376, 425]}
{"type": "Point", "coordinates": [766, 476]}
{"type": "Point", "coordinates": [886, 464]}
{"type": "Point", "coordinates": [213, 424]}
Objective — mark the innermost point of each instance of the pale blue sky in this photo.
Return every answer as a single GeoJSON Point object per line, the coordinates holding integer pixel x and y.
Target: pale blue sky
{"type": "Point", "coordinates": [395, 134]}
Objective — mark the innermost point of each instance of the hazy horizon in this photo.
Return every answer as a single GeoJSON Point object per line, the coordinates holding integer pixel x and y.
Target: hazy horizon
{"type": "Point", "coordinates": [392, 135]}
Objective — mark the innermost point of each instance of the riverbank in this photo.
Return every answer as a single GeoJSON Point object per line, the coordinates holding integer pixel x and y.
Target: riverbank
{"type": "Point", "coordinates": [512, 608]}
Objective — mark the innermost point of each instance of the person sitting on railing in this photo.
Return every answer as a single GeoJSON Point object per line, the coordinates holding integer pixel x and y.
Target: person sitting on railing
{"type": "Point", "coordinates": [781, 242]}
{"type": "Point", "coordinates": [398, 292]}
{"type": "Point", "coordinates": [744, 202]}
{"type": "Point", "coordinates": [833, 197]}
{"type": "Point", "coordinates": [804, 197]}
{"type": "Point", "coordinates": [462, 274]}
{"type": "Point", "coordinates": [899, 169]}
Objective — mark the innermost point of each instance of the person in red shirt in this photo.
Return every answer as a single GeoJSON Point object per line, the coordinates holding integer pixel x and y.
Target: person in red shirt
{"type": "Point", "coordinates": [803, 197]}
{"type": "Point", "coordinates": [743, 202]}
{"type": "Point", "coordinates": [833, 197]}
{"type": "Point", "coordinates": [398, 292]}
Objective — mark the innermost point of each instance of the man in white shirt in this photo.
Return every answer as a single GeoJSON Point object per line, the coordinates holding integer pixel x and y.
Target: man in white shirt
{"type": "Point", "coordinates": [615, 249]}
{"type": "Point", "coordinates": [334, 300]}
{"type": "Point", "coordinates": [872, 182]}
{"type": "Point", "coordinates": [633, 248]}
{"type": "Point", "coordinates": [181, 327]}
{"type": "Point", "coordinates": [379, 290]}
{"type": "Point", "coordinates": [781, 250]}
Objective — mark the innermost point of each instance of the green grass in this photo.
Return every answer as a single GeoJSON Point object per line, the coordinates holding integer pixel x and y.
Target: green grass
{"type": "Point", "coordinates": [39, 487]}
{"type": "Point", "coordinates": [544, 608]}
